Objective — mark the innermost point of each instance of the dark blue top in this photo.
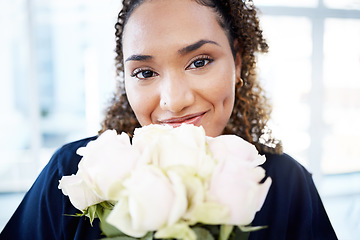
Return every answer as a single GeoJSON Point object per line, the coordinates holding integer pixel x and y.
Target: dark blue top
{"type": "Point", "coordinates": [292, 210]}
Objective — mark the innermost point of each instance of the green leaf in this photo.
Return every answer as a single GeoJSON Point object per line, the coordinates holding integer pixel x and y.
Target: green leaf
{"type": "Point", "coordinates": [100, 213]}
{"type": "Point", "coordinates": [202, 234]}
{"type": "Point", "coordinates": [75, 215]}
{"type": "Point", "coordinates": [251, 228]}
{"type": "Point", "coordinates": [225, 231]}
{"type": "Point", "coordinates": [240, 235]}
{"type": "Point", "coordinates": [243, 232]}
{"type": "Point", "coordinates": [107, 205]}
{"type": "Point", "coordinates": [214, 230]}
{"type": "Point", "coordinates": [176, 231]}
{"type": "Point", "coordinates": [108, 229]}
{"type": "Point", "coordinates": [119, 238]}
{"type": "Point", "coordinates": [148, 236]}
{"type": "Point", "coordinates": [91, 213]}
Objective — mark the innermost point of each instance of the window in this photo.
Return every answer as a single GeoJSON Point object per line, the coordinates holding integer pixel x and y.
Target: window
{"type": "Point", "coordinates": [341, 95]}
{"type": "Point", "coordinates": [312, 76]}
{"type": "Point", "coordinates": [344, 4]}
{"type": "Point", "coordinates": [57, 75]}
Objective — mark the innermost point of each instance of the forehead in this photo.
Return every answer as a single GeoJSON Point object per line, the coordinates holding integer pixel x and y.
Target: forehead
{"type": "Point", "coordinates": [180, 22]}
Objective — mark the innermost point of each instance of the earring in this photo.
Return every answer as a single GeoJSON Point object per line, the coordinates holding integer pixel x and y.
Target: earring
{"type": "Point", "coordinates": [240, 82]}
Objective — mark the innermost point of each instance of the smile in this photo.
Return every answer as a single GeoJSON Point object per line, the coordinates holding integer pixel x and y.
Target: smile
{"type": "Point", "coordinates": [194, 119]}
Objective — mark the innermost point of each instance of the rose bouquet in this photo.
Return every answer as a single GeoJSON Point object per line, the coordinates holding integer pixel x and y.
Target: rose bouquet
{"type": "Point", "coordinates": [168, 183]}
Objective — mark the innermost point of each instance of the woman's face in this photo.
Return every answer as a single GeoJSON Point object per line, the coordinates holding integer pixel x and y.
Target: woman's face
{"type": "Point", "coordinates": [178, 66]}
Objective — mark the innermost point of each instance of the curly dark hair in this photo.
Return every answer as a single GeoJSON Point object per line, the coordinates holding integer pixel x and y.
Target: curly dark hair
{"type": "Point", "coordinates": [251, 110]}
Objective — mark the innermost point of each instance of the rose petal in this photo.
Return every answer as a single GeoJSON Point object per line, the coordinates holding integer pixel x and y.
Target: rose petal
{"type": "Point", "coordinates": [81, 196]}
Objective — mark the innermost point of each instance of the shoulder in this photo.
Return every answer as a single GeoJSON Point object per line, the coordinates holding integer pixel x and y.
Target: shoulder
{"type": "Point", "coordinates": [284, 166]}
{"type": "Point", "coordinates": [45, 201]}
{"type": "Point", "coordinates": [290, 179]}
{"type": "Point", "coordinates": [281, 160]}
{"type": "Point", "coordinates": [293, 208]}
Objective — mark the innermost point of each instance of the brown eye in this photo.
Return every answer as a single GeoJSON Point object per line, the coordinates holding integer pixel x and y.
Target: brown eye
{"type": "Point", "coordinates": [143, 74]}
{"type": "Point", "coordinates": [199, 63]}
{"type": "Point", "coordinates": [146, 74]}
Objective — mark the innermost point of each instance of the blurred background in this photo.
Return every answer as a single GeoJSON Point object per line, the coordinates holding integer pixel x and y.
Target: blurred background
{"type": "Point", "coordinates": [57, 75]}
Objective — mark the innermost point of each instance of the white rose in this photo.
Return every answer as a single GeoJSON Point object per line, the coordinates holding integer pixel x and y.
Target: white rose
{"type": "Point", "coordinates": [106, 162]}
{"type": "Point", "coordinates": [232, 146]}
{"type": "Point", "coordinates": [81, 196]}
{"type": "Point", "coordinates": [235, 184]}
{"type": "Point", "coordinates": [166, 147]}
{"type": "Point", "coordinates": [152, 201]}
{"type": "Point", "coordinates": [235, 181]}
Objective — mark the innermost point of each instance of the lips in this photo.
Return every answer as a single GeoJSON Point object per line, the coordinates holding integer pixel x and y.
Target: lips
{"type": "Point", "coordinates": [194, 119]}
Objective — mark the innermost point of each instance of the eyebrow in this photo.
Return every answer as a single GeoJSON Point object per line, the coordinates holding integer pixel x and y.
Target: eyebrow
{"type": "Point", "coordinates": [183, 51]}
{"type": "Point", "coordinates": [195, 46]}
{"type": "Point", "coordinates": [137, 57]}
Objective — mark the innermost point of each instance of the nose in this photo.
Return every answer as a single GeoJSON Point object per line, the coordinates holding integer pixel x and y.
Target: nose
{"type": "Point", "coordinates": [176, 94]}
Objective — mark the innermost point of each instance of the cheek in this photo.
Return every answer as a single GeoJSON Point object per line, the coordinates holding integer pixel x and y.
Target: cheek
{"type": "Point", "coordinates": [222, 96]}
{"type": "Point", "coordinates": [222, 90]}
{"type": "Point", "coordinates": [141, 103]}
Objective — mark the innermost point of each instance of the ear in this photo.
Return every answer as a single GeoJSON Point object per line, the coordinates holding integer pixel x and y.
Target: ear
{"type": "Point", "coordinates": [238, 64]}
{"type": "Point", "coordinates": [238, 60]}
